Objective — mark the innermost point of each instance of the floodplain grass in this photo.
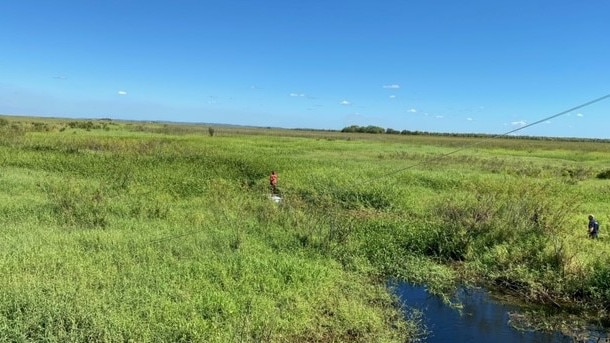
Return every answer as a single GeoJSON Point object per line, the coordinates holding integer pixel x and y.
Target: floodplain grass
{"type": "Point", "coordinates": [157, 232]}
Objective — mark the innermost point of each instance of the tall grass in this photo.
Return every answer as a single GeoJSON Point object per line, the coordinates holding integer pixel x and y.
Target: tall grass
{"type": "Point", "coordinates": [153, 232]}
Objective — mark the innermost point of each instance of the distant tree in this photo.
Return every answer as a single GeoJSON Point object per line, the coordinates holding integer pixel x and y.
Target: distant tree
{"type": "Point", "coordinates": [392, 131]}
{"type": "Point", "coordinates": [363, 129]}
{"type": "Point", "coordinates": [353, 128]}
{"type": "Point", "coordinates": [211, 131]}
{"type": "Point", "coordinates": [374, 129]}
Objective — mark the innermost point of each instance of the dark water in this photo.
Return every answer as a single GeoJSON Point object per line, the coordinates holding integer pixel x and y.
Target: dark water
{"type": "Point", "coordinates": [481, 319]}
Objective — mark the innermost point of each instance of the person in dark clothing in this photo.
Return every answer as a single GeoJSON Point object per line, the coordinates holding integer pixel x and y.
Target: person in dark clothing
{"type": "Point", "coordinates": [593, 227]}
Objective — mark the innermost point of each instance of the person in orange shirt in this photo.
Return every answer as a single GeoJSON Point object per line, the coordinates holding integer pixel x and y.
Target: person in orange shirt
{"type": "Point", "coordinates": [273, 182]}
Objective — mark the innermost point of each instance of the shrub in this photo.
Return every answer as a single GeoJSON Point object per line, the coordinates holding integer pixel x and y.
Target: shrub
{"type": "Point", "coordinates": [604, 175]}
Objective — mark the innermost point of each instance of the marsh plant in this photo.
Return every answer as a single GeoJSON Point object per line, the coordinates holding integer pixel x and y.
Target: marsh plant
{"type": "Point", "coordinates": [155, 232]}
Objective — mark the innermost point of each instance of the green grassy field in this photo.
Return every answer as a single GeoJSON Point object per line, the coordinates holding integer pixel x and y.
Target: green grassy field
{"type": "Point", "coordinates": [143, 232]}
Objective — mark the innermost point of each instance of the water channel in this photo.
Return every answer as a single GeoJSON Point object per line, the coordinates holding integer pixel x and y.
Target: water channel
{"type": "Point", "coordinates": [480, 319]}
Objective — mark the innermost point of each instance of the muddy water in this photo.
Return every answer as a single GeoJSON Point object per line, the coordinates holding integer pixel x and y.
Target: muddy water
{"type": "Point", "coordinates": [480, 319]}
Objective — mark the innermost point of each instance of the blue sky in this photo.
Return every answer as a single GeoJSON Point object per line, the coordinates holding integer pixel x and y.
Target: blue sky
{"type": "Point", "coordinates": [439, 66]}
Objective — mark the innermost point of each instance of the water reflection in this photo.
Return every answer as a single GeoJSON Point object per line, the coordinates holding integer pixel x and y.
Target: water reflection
{"type": "Point", "coordinates": [481, 319]}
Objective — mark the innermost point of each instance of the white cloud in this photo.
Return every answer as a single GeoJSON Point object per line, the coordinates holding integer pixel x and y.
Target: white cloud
{"type": "Point", "coordinates": [469, 119]}
{"type": "Point", "coordinates": [439, 117]}
{"type": "Point", "coordinates": [345, 103]}
{"type": "Point", "coordinates": [297, 94]}
{"type": "Point", "coordinates": [395, 86]}
{"type": "Point", "coordinates": [579, 115]}
{"type": "Point", "coordinates": [412, 110]}
{"type": "Point", "coordinates": [121, 93]}
{"type": "Point", "coordinates": [519, 123]}
{"type": "Point", "coordinates": [392, 96]}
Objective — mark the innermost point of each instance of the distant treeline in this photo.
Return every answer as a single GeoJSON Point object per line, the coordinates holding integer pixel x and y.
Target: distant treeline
{"type": "Point", "coordinates": [380, 130]}
{"type": "Point", "coordinates": [89, 124]}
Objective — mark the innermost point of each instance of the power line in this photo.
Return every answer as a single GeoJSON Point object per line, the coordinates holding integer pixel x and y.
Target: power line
{"type": "Point", "coordinates": [588, 103]}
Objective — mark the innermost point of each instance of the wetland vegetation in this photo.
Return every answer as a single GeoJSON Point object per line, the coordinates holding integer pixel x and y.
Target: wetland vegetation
{"type": "Point", "coordinates": [127, 231]}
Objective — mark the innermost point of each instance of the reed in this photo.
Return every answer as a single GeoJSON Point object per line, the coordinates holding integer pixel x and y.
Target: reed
{"type": "Point", "coordinates": [119, 231]}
